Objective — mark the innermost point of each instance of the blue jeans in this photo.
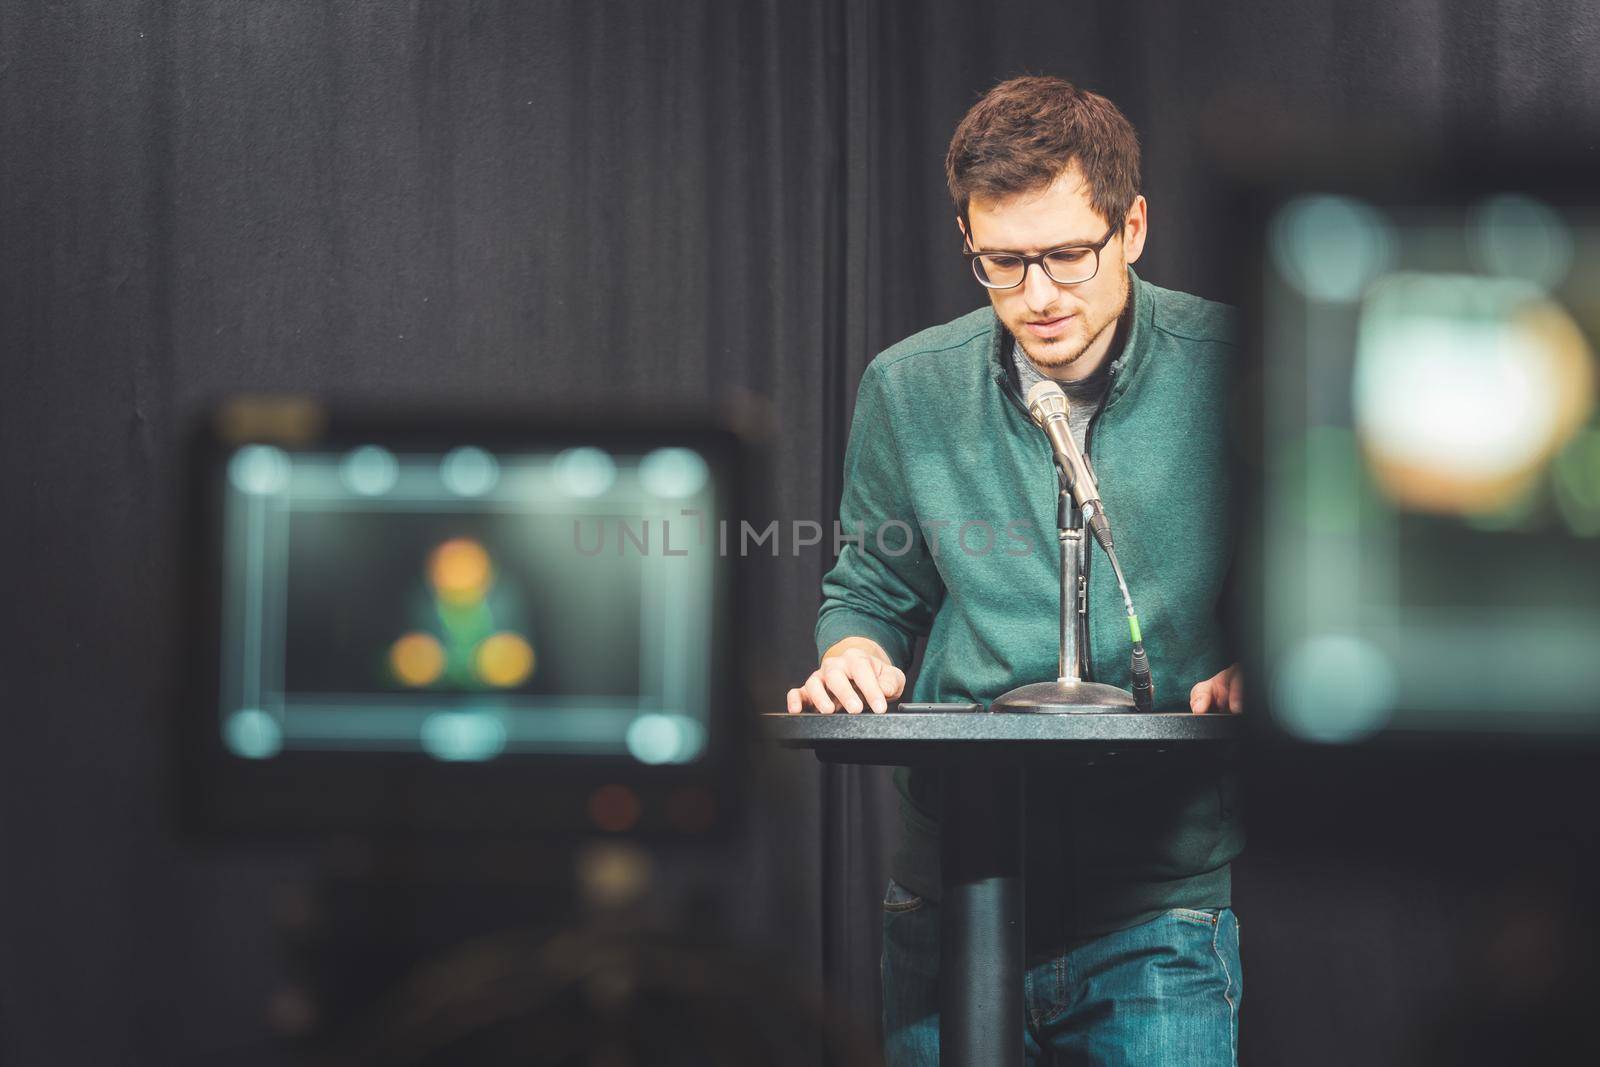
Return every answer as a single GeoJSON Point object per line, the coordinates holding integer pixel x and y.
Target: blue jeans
{"type": "Point", "coordinates": [1164, 992]}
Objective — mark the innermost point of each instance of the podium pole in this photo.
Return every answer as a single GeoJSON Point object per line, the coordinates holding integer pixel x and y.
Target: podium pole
{"type": "Point", "coordinates": [981, 1012]}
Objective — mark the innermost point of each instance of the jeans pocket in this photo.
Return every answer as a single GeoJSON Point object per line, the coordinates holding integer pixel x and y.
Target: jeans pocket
{"type": "Point", "coordinates": [1200, 916]}
{"type": "Point", "coordinates": [897, 898]}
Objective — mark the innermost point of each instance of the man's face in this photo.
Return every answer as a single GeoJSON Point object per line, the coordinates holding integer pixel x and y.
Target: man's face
{"type": "Point", "coordinates": [1065, 329]}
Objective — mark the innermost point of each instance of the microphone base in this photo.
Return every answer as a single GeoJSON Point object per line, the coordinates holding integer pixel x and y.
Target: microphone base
{"type": "Point", "coordinates": [1065, 698]}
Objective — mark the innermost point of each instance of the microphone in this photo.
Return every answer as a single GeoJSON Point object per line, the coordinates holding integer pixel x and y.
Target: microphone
{"type": "Point", "coordinates": [1048, 406]}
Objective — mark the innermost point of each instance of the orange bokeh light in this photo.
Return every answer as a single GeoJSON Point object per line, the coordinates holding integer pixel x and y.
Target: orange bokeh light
{"type": "Point", "coordinates": [460, 571]}
{"type": "Point", "coordinates": [504, 659]}
{"type": "Point", "coordinates": [417, 659]}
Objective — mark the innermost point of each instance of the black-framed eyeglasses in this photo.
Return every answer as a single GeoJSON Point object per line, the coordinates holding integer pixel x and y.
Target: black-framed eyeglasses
{"type": "Point", "coordinates": [1067, 265]}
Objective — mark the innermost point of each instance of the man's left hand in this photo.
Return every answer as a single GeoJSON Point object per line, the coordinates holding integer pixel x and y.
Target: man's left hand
{"type": "Point", "coordinates": [1224, 692]}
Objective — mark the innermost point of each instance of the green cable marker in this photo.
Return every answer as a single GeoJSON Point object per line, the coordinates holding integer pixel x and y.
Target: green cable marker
{"type": "Point", "coordinates": [1133, 626]}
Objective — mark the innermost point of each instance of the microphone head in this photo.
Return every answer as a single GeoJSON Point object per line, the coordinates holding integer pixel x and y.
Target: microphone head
{"type": "Point", "coordinates": [1046, 399]}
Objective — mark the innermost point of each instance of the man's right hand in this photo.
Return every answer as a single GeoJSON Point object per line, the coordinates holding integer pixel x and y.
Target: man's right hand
{"type": "Point", "coordinates": [855, 673]}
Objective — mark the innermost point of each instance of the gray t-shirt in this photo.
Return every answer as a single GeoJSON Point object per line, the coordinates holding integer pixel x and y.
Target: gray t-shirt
{"type": "Point", "coordinates": [1082, 397]}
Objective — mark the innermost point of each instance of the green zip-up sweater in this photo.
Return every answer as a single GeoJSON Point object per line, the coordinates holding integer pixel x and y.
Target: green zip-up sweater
{"type": "Point", "coordinates": [942, 451]}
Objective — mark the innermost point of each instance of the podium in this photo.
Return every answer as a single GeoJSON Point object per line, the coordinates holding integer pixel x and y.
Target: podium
{"type": "Point", "coordinates": [983, 758]}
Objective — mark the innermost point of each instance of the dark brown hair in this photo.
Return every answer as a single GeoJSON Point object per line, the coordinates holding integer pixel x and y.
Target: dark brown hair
{"type": "Point", "coordinates": [1026, 131]}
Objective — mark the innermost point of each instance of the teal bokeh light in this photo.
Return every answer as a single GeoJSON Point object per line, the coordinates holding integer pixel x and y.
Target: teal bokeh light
{"type": "Point", "coordinates": [369, 470]}
{"type": "Point", "coordinates": [469, 471]}
{"type": "Point", "coordinates": [259, 470]}
{"type": "Point", "coordinates": [657, 739]}
{"type": "Point", "coordinates": [463, 736]}
{"type": "Point", "coordinates": [673, 472]}
{"type": "Point", "coordinates": [1330, 247]}
{"type": "Point", "coordinates": [585, 472]}
{"type": "Point", "coordinates": [253, 734]}
{"type": "Point", "coordinates": [1335, 688]}
{"type": "Point", "coordinates": [1518, 237]}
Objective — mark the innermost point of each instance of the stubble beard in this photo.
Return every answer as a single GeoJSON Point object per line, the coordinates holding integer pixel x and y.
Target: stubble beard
{"type": "Point", "coordinates": [1055, 359]}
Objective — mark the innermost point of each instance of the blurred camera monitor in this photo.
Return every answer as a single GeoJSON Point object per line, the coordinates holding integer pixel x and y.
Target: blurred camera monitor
{"type": "Point", "coordinates": [422, 625]}
{"type": "Point", "coordinates": [1430, 463]}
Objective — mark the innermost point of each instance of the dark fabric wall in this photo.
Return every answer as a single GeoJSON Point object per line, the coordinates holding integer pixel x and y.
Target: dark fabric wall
{"type": "Point", "coordinates": [544, 203]}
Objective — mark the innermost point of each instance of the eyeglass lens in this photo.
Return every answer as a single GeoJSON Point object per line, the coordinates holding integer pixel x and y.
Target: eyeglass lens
{"type": "Point", "coordinates": [1067, 266]}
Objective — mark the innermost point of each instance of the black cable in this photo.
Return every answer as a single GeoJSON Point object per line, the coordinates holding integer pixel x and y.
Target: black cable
{"type": "Point", "coordinates": [1144, 690]}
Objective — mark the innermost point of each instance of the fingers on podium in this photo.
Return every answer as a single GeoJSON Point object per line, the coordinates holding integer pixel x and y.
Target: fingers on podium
{"type": "Point", "coordinates": [818, 693]}
{"type": "Point", "coordinates": [892, 679]}
{"type": "Point", "coordinates": [864, 672]}
{"type": "Point", "coordinates": [1225, 692]}
{"type": "Point", "coordinates": [852, 681]}
{"type": "Point", "coordinates": [839, 685]}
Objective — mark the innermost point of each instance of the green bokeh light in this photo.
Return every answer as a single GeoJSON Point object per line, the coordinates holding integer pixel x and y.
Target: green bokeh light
{"type": "Point", "coordinates": [1577, 482]}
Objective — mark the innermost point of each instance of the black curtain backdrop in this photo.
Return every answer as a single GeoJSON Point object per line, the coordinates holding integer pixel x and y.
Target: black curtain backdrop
{"type": "Point", "coordinates": [546, 203]}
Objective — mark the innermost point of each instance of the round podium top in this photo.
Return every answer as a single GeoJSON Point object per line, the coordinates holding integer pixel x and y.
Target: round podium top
{"type": "Point", "coordinates": [960, 736]}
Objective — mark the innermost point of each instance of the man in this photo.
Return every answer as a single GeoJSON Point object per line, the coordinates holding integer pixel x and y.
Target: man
{"type": "Point", "coordinates": [1133, 950]}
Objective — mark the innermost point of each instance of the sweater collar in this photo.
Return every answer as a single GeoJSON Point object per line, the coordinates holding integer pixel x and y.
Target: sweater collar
{"type": "Point", "coordinates": [1137, 323]}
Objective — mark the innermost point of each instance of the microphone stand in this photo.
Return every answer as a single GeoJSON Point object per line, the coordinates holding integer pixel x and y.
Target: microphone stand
{"type": "Point", "coordinates": [1069, 693]}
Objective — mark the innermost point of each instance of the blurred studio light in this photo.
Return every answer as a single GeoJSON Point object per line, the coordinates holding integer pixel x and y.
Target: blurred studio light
{"type": "Point", "coordinates": [1465, 388]}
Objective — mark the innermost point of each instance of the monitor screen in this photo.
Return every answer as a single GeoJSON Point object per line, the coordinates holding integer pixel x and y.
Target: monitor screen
{"type": "Point", "coordinates": [460, 599]}
{"type": "Point", "coordinates": [1430, 465]}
